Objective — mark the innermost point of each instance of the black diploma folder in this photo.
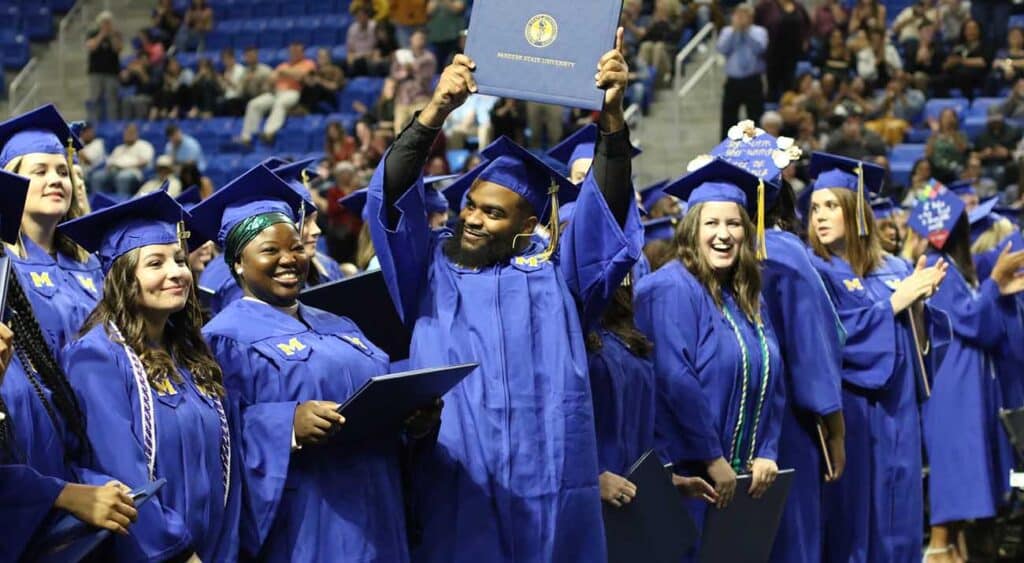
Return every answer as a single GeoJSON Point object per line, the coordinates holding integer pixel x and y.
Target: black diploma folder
{"type": "Point", "coordinates": [744, 531]}
{"type": "Point", "coordinates": [383, 403]}
{"type": "Point", "coordinates": [364, 299]}
{"type": "Point", "coordinates": [655, 527]}
{"type": "Point", "coordinates": [71, 540]}
{"type": "Point", "coordinates": [542, 51]}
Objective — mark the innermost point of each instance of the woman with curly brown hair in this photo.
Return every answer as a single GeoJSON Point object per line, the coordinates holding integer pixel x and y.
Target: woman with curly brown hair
{"type": "Point", "coordinates": [150, 389]}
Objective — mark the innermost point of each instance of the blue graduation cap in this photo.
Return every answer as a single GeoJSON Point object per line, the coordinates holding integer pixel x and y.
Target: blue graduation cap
{"type": "Point", "coordinates": [355, 202]}
{"type": "Point", "coordinates": [517, 169]}
{"type": "Point", "coordinates": [663, 228]}
{"type": "Point", "coordinates": [296, 175]}
{"type": "Point", "coordinates": [436, 201]}
{"type": "Point", "coordinates": [155, 218]}
{"type": "Point", "coordinates": [883, 207]}
{"type": "Point", "coordinates": [1011, 213]}
{"type": "Point", "coordinates": [455, 192]}
{"type": "Point", "coordinates": [580, 144]}
{"type": "Point", "coordinates": [834, 171]}
{"type": "Point", "coordinates": [189, 197]}
{"type": "Point", "coordinates": [651, 194]}
{"type": "Point", "coordinates": [100, 200]}
{"type": "Point", "coordinates": [983, 217]}
{"type": "Point", "coordinates": [13, 190]}
{"type": "Point", "coordinates": [42, 130]}
{"type": "Point", "coordinates": [962, 187]}
{"type": "Point", "coordinates": [935, 214]}
{"type": "Point", "coordinates": [758, 154]}
{"type": "Point", "coordinates": [256, 192]}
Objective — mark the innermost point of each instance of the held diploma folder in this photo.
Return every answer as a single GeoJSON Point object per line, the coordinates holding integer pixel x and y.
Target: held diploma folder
{"type": "Point", "coordinates": [542, 51]}
{"type": "Point", "coordinates": [744, 531]}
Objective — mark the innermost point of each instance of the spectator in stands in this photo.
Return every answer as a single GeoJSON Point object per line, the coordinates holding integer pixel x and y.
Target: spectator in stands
{"type": "Point", "coordinates": [996, 15]}
{"type": "Point", "coordinates": [895, 109]}
{"type": "Point", "coordinates": [924, 60]}
{"type": "Point", "coordinates": [952, 14]}
{"type": "Point", "coordinates": [1013, 107]}
{"type": "Point", "coordinates": [206, 90]}
{"type": "Point", "coordinates": [1008, 64]}
{"type": "Point", "coordinates": [378, 9]}
{"type": "Point", "coordinates": [320, 88]}
{"type": "Point", "coordinates": [920, 175]}
{"type": "Point", "coordinates": [380, 116]}
{"type": "Point", "coordinates": [854, 141]}
{"type": "Point", "coordinates": [194, 29]}
{"type": "Point", "coordinates": [743, 44]}
{"type": "Point", "coordinates": [338, 145]}
{"type": "Point", "coordinates": [190, 176]}
{"type": "Point", "coordinates": [789, 30]}
{"type": "Point", "coordinates": [907, 25]}
{"type": "Point", "coordinates": [995, 146]}
{"type": "Point", "coordinates": [360, 43]}
{"type": "Point", "coordinates": [232, 83]}
{"type": "Point", "coordinates": [867, 15]}
{"type": "Point", "coordinates": [471, 119]}
{"type": "Point", "coordinates": [445, 21]}
{"type": "Point", "coordinates": [166, 21]}
{"type": "Point", "coordinates": [829, 16]}
{"type": "Point", "coordinates": [659, 39]}
{"type": "Point", "coordinates": [164, 173]}
{"type": "Point", "coordinates": [173, 95]}
{"type": "Point", "coordinates": [877, 60]}
{"type": "Point", "coordinates": [836, 57]}
{"type": "Point", "coordinates": [104, 46]}
{"type": "Point", "coordinates": [806, 98]}
{"type": "Point", "coordinates": [125, 166]}
{"type": "Point", "coordinates": [947, 147]}
{"type": "Point", "coordinates": [807, 135]}
{"type": "Point", "coordinates": [546, 123]}
{"type": "Point", "coordinates": [634, 24]}
{"type": "Point", "coordinates": [287, 79]}
{"type": "Point", "coordinates": [183, 148]}
{"type": "Point", "coordinates": [386, 47]}
{"type": "Point", "coordinates": [852, 98]}
{"type": "Point", "coordinates": [93, 152]}
{"type": "Point", "coordinates": [508, 118]}
{"type": "Point", "coordinates": [413, 72]}
{"type": "Point", "coordinates": [137, 77]}
{"type": "Point", "coordinates": [437, 166]}
{"type": "Point", "coordinates": [407, 16]}
{"type": "Point", "coordinates": [967, 64]}
{"type": "Point", "coordinates": [153, 48]}
{"type": "Point", "coordinates": [771, 122]}
{"type": "Point", "coordinates": [974, 173]}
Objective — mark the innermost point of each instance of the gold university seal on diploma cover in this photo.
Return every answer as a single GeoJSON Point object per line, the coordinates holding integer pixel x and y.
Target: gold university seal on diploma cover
{"type": "Point", "coordinates": [541, 30]}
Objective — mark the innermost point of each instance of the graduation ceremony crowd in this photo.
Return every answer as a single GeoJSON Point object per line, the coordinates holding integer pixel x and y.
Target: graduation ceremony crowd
{"type": "Point", "coordinates": [732, 324]}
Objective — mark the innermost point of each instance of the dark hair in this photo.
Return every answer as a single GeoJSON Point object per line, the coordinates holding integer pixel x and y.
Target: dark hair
{"type": "Point", "coordinates": [183, 340]}
{"type": "Point", "coordinates": [37, 358]}
{"type": "Point", "coordinates": [782, 213]}
{"type": "Point", "coordinates": [618, 319]}
{"type": "Point", "coordinates": [171, 129]}
{"type": "Point", "coordinates": [958, 248]}
{"type": "Point", "coordinates": [189, 175]}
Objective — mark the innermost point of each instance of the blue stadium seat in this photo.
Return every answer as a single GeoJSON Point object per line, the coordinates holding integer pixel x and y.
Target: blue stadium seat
{"type": "Point", "coordinates": [906, 152]}
{"type": "Point", "coordinates": [980, 106]}
{"type": "Point", "coordinates": [1017, 20]}
{"type": "Point", "coordinates": [935, 106]}
{"type": "Point", "coordinates": [973, 126]}
{"type": "Point", "coordinates": [339, 53]}
{"type": "Point", "coordinates": [918, 135]}
{"type": "Point", "coordinates": [272, 35]}
{"type": "Point", "coordinates": [16, 53]}
{"type": "Point", "coordinates": [363, 88]}
{"type": "Point", "coordinates": [217, 41]}
{"type": "Point", "coordinates": [38, 24]}
{"type": "Point", "coordinates": [265, 9]}
{"type": "Point", "coordinates": [899, 172]}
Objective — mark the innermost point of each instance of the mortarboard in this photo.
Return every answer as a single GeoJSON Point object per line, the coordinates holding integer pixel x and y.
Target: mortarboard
{"type": "Point", "coordinates": [13, 190]}
{"type": "Point", "coordinates": [983, 217]}
{"type": "Point", "coordinates": [517, 169]}
{"type": "Point", "coordinates": [650, 195]}
{"type": "Point", "coordinates": [935, 214]}
{"type": "Point", "coordinates": [757, 152]}
{"type": "Point", "coordinates": [663, 228]}
{"type": "Point", "coordinates": [296, 175]}
{"type": "Point", "coordinates": [435, 200]}
{"type": "Point", "coordinates": [580, 144]}
{"type": "Point", "coordinates": [1011, 213]}
{"type": "Point", "coordinates": [456, 192]}
{"type": "Point", "coordinates": [835, 171]}
{"type": "Point", "coordinates": [355, 202]}
{"type": "Point", "coordinates": [155, 218]}
{"type": "Point", "coordinates": [883, 207]}
{"type": "Point", "coordinates": [255, 192]}
{"type": "Point", "coordinates": [189, 198]}
{"type": "Point", "coordinates": [42, 130]}
{"type": "Point", "coordinates": [962, 187]}
{"type": "Point", "coordinates": [100, 200]}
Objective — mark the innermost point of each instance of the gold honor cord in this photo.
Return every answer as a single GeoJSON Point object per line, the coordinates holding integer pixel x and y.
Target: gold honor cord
{"type": "Point", "coordinates": [762, 245]}
{"type": "Point", "coordinates": [553, 227]}
{"type": "Point", "coordinates": [862, 221]}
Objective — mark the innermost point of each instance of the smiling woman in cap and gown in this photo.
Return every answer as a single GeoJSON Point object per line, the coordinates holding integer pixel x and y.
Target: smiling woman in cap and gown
{"type": "Point", "coordinates": [718, 368]}
{"type": "Point", "coordinates": [874, 512]}
{"type": "Point", "coordinates": [514, 474]}
{"type": "Point", "coordinates": [151, 391]}
{"type": "Point", "coordinates": [289, 366]}
{"type": "Point", "coordinates": [63, 281]}
{"type": "Point", "coordinates": [42, 429]}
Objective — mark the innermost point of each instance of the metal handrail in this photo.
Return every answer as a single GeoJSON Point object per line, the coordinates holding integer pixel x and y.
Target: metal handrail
{"type": "Point", "coordinates": [707, 32]}
{"type": "Point", "coordinates": [16, 101]}
{"type": "Point", "coordinates": [80, 9]}
{"type": "Point", "coordinates": [684, 53]}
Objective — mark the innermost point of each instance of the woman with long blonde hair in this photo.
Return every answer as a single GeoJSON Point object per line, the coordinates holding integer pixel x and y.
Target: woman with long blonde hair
{"type": "Point", "coordinates": [874, 512]}
{"type": "Point", "coordinates": [63, 281]}
{"type": "Point", "coordinates": [717, 362]}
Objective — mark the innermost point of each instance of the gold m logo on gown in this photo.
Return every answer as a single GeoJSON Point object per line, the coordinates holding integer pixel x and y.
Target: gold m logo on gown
{"type": "Point", "coordinates": [853, 285]}
{"type": "Point", "coordinates": [541, 30]}
{"type": "Point", "coordinates": [86, 282]}
{"type": "Point", "coordinates": [291, 347]}
{"type": "Point", "coordinates": [40, 279]}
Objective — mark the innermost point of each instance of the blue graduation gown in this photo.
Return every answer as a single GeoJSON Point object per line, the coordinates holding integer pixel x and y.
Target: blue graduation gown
{"type": "Point", "coordinates": [217, 279]}
{"type": "Point", "coordinates": [810, 338]}
{"type": "Point", "coordinates": [26, 500]}
{"type": "Point", "coordinates": [190, 514]}
{"type": "Point", "coordinates": [622, 386]}
{"type": "Point", "coordinates": [514, 475]}
{"type": "Point", "coordinates": [880, 405]}
{"type": "Point", "coordinates": [1010, 356]}
{"type": "Point", "coordinates": [327, 267]}
{"type": "Point", "coordinates": [328, 503]}
{"type": "Point", "coordinates": [62, 291]}
{"type": "Point", "coordinates": [967, 449]}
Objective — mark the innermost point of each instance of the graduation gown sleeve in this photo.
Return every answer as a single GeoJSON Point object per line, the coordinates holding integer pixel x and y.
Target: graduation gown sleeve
{"type": "Point", "coordinates": [26, 498]}
{"type": "Point", "coordinates": [107, 398]}
{"type": "Point", "coordinates": [266, 439]}
{"type": "Point", "coordinates": [980, 319]}
{"type": "Point", "coordinates": [596, 253]}
{"type": "Point", "coordinates": [684, 423]}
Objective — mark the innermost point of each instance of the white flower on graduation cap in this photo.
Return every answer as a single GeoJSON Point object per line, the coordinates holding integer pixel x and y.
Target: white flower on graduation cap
{"type": "Point", "coordinates": [700, 161]}
{"type": "Point", "coordinates": [786, 151]}
{"type": "Point", "coordinates": [745, 131]}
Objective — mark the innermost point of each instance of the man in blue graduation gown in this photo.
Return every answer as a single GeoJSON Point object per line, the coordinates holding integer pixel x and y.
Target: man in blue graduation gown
{"type": "Point", "coordinates": [514, 474]}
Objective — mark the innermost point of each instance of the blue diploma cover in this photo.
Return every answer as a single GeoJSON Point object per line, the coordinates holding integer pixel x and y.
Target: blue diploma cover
{"type": "Point", "coordinates": [542, 51]}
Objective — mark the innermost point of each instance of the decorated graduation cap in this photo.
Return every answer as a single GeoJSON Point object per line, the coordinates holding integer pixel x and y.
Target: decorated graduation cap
{"type": "Point", "coordinates": [355, 202]}
{"type": "Point", "coordinates": [721, 181]}
{"type": "Point", "coordinates": [757, 152]}
{"type": "Point", "coordinates": [435, 200]}
{"type": "Point", "coordinates": [962, 187]}
{"type": "Point", "coordinates": [13, 190]}
{"type": "Point", "coordinates": [983, 217]}
{"type": "Point", "coordinates": [242, 209]}
{"type": "Point", "coordinates": [884, 207]}
{"type": "Point", "coordinates": [832, 171]}
{"type": "Point", "coordinates": [650, 195]}
{"type": "Point", "coordinates": [935, 214]}
{"type": "Point", "coordinates": [663, 228]}
{"type": "Point", "coordinates": [155, 218]}
{"type": "Point", "coordinates": [296, 175]}
{"type": "Point", "coordinates": [579, 145]}
{"type": "Point", "coordinates": [42, 130]}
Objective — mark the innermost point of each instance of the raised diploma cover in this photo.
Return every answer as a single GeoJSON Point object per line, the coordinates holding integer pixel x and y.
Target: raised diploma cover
{"type": "Point", "coordinates": [383, 403]}
{"type": "Point", "coordinates": [542, 51]}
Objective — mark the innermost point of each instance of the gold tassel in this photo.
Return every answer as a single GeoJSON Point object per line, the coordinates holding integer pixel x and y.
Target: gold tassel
{"type": "Point", "coordinates": [762, 245]}
{"type": "Point", "coordinates": [305, 180]}
{"type": "Point", "coordinates": [862, 222]}
{"type": "Point", "coordinates": [183, 235]}
{"type": "Point", "coordinates": [70, 156]}
{"type": "Point", "coordinates": [553, 224]}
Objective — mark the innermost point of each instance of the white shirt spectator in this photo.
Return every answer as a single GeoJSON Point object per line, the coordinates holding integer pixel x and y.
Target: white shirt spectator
{"type": "Point", "coordinates": [138, 156]}
{"type": "Point", "coordinates": [233, 81]}
{"type": "Point", "coordinates": [94, 153]}
{"type": "Point", "coordinates": [867, 62]}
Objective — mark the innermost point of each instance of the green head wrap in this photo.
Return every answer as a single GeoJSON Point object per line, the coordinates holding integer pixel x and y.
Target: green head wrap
{"type": "Point", "coordinates": [248, 229]}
